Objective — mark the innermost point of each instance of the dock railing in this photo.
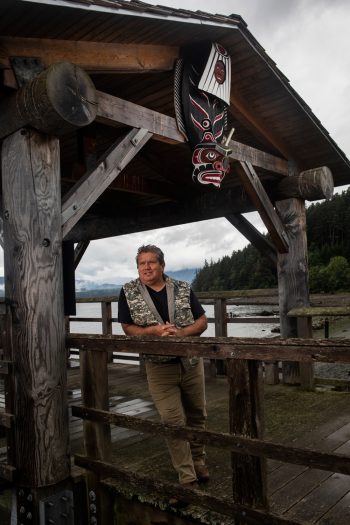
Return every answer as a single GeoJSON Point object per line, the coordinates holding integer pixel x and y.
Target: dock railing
{"type": "Point", "coordinates": [249, 450]}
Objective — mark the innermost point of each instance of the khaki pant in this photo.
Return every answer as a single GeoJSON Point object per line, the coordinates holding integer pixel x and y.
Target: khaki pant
{"type": "Point", "coordinates": [179, 396]}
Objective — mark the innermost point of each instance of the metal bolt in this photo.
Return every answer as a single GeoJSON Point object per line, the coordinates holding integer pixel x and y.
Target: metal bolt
{"type": "Point", "coordinates": [22, 510]}
{"type": "Point", "coordinates": [29, 516]}
{"type": "Point", "coordinates": [92, 495]}
{"type": "Point", "coordinates": [64, 498]}
{"type": "Point", "coordinates": [30, 497]}
{"type": "Point", "coordinates": [6, 214]}
{"type": "Point", "coordinates": [51, 521]}
{"type": "Point", "coordinates": [93, 520]}
{"type": "Point", "coordinates": [64, 515]}
{"type": "Point", "coordinates": [93, 507]}
{"type": "Point", "coordinates": [49, 503]}
{"type": "Point", "coordinates": [46, 242]}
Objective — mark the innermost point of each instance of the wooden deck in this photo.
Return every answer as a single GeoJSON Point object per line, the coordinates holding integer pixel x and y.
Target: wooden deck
{"type": "Point", "coordinates": [304, 494]}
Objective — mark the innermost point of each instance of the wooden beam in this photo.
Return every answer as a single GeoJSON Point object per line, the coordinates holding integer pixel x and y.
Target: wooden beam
{"type": "Point", "coordinates": [258, 196]}
{"type": "Point", "coordinates": [114, 111]}
{"type": "Point", "coordinates": [60, 99]}
{"type": "Point", "coordinates": [94, 57]}
{"type": "Point", "coordinates": [79, 251]}
{"type": "Point", "coordinates": [93, 184]}
{"type": "Point", "coordinates": [204, 207]}
{"type": "Point", "coordinates": [254, 236]}
{"type": "Point", "coordinates": [309, 185]}
{"type": "Point", "coordinates": [269, 349]}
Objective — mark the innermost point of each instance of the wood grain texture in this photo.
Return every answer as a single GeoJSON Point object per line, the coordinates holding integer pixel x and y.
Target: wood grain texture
{"type": "Point", "coordinates": [34, 291]}
{"type": "Point", "coordinates": [293, 282]}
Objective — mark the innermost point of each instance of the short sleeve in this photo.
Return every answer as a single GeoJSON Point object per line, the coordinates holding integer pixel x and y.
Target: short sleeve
{"type": "Point", "coordinates": [196, 308]}
{"type": "Point", "coordinates": [123, 309]}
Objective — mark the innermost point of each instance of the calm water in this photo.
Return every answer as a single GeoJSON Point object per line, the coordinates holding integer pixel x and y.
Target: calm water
{"type": "Point", "coordinates": [234, 329]}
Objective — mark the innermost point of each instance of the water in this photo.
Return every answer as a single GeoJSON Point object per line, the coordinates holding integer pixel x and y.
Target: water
{"type": "Point", "coordinates": [233, 329]}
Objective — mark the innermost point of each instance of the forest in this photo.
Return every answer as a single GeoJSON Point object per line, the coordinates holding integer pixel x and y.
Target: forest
{"type": "Point", "coordinates": [328, 235]}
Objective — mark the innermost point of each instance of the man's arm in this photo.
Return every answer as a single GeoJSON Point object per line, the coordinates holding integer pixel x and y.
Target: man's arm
{"type": "Point", "coordinates": [162, 330]}
{"type": "Point", "coordinates": [158, 329]}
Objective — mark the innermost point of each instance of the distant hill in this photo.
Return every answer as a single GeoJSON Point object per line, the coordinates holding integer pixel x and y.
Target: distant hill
{"type": "Point", "coordinates": [94, 289]}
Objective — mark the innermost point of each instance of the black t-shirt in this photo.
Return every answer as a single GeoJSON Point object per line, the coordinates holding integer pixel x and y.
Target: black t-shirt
{"type": "Point", "coordinates": [160, 301]}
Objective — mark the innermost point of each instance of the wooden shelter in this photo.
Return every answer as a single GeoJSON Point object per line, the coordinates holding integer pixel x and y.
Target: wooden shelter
{"type": "Point", "coordinates": [91, 149]}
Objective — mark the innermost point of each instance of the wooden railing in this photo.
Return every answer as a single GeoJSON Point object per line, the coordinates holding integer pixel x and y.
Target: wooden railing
{"type": "Point", "coordinates": [249, 449]}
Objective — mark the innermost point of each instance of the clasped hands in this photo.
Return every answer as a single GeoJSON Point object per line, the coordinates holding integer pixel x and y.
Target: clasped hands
{"type": "Point", "coordinates": [167, 329]}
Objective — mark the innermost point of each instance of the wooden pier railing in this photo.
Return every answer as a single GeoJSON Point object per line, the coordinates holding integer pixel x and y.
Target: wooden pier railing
{"type": "Point", "coordinates": [249, 449]}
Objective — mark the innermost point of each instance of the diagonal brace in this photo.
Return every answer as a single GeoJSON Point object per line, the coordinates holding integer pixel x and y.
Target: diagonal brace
{"type": "Point", "coordinates": [258, 196]}
{"type": "Point", "coordinates": [89, 188]}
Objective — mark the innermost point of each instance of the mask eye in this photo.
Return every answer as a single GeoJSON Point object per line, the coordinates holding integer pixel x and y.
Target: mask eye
{"type": "Point", "coordinates": [211, 155]}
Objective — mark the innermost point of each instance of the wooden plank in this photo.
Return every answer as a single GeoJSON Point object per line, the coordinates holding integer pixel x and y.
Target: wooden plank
{"type": "Point", "coordinates": [239, 443]}
{"type": "Point", "coordinates": [34, 288]}
{"type": "Point", "coordinates": [295, 489]}
{"type": "Point", "coordinates": [194, 496]}
{"type": "Point", "coordinates": [323, 311]}
{"type": "Point", "coordinates": [95, 181]}
{"type": "Point", "coordinates": [314, 505]}
{"type": "Point", "coordinates": [114, 111]}
{"type": "Point", "coordinates": [339, 514]}
{"type": "Point", "coordinates": [94, 57]}
{"type": "Point", "coordinates": [258, 196]}
{"type": "Point", "coordinates": [310, 185]}
{"type": "Point", "coordinates": [253, 235]}
{"type": "Point", "coordinates": [303, 350]}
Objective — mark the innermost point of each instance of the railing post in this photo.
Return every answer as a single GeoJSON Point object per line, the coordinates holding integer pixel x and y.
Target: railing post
{"type": "Point", "coordinates": [106, 311]}
{"type": "Point", "coordinates": [246, 419]}
{"type": "Point", "coordinates": [97, 436]}
{"type": "Point", "coordinates": [220, 312]}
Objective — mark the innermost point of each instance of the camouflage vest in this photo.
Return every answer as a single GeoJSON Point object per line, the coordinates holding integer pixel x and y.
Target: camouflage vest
{"type": "Point", "coordinates": [144, 313]}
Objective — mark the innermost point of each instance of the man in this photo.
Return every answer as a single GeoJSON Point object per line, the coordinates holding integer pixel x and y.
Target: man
{"type": "Point", "coordinates": [156, 305]}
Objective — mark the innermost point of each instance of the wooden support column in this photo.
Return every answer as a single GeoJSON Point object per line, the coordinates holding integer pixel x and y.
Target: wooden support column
{"type": "Point", "coordinates": [220, 313]}
{"type": "Point", "coordinates": [293, 285]}
{"type": "Point", "coordinates": [246, 419]}
{"type": "Point", "coordinates": [34, 293]}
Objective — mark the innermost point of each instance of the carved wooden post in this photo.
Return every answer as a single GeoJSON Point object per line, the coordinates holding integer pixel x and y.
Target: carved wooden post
{"type": "Point", "coordinates": [34, 292]}
{"type": "Point", "coordinates": [293, 284]}
{"type": "Point", "coordinates": [246, 419]}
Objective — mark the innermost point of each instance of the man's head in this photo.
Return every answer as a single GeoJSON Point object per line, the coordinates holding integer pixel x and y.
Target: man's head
{"type": "Point", "coordinates": [150, 265]}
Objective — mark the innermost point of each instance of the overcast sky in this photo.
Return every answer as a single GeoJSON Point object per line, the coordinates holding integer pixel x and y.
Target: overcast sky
{"type": "Point", "coordinates": [310, 41]}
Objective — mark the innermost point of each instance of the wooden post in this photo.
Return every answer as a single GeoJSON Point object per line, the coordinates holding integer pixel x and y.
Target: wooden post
{"type": "Point", "coordinates": [293, 283]}
{"type": "Point", "coordinates": [34, 292]}
{"type": "Point", "coordinates": [246, 419]}
{"type": "Point", "coordinates": [97, 436]}
{"type": "Point", "coordinates": [220, 313]}
{"type": "Point", "coordinates": [106, 311]}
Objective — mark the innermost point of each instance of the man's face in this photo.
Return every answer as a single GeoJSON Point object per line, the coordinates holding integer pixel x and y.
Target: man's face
{"type": "Point", "coordinates": [149, 268]}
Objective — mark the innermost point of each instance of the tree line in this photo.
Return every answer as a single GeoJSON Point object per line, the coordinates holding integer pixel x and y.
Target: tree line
{"type": "Point", "coordinates": [328, 235]}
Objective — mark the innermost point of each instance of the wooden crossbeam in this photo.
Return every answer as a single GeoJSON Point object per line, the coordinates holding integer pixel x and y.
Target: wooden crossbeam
{"type": "Point", "coordinates": [259, 197]}
{"type": "Point", "coordinates": [94, 57]}
{"type": "Point", "coordinates": [92, 185]}
{"type": "Point", "coordinates": [197, 497]}
{"type": "Point", "coordinates": [237, 443]}
{"type": "Point", "coordinates": [114, 111]}
{"type": "Point", "coordinates": [302, 350]}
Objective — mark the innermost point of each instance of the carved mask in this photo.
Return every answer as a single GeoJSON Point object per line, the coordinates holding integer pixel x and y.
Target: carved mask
{"type": "Point", "coordinates": [202, 93]}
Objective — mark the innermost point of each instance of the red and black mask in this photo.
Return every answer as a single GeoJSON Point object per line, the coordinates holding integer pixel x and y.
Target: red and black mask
{"type": "Point", "coordinates": [202, 93]}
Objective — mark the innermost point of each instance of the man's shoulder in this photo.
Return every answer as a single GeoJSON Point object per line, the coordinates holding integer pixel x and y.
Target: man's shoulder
{"type": "Point", "coordinates": [131, 286]}
{"type": "Point", "coordinates": [178, 284]}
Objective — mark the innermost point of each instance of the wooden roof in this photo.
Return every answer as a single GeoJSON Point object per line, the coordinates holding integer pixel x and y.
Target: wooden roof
{"type": "Point", "coordinates": [129, 49]}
